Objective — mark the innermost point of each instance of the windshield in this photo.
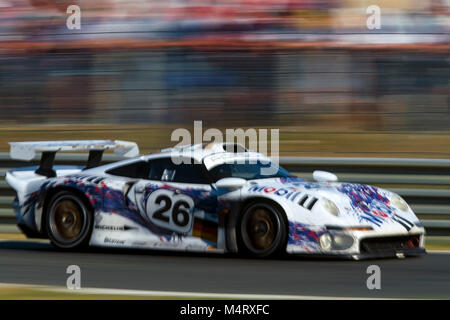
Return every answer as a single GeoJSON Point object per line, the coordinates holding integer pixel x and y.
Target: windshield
{"type": "Point", "coordinates": [249, 171]}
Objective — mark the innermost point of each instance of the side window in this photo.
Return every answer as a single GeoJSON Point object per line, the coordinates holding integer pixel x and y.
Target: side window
{"type": "Point", "coordinates": [165, 170]}
{"type": "Point", "coordinates": [138, 169]}
{"type": "Point", "coordinates": [157, 168]}
{"type": "Point", "coordinates": [190, 173]}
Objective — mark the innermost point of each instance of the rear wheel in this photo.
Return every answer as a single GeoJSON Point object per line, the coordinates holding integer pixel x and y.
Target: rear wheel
{"type": "Point", "coordinates": [261, 230]}
{"type": "Point", "coordinates": [69, 221]}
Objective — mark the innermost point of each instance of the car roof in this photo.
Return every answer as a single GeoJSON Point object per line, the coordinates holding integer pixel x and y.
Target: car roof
{"type": "Point", "coordinates": [207, 151]}
{"type": "Point", "coordinates": [211, 154]}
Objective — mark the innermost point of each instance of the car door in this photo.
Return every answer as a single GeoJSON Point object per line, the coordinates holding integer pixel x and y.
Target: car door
{"type": "Point", "coordinates": [178, 199]}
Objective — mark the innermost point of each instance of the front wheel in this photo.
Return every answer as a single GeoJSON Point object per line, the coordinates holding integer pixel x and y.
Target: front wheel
{"type": "Point", "coordinates": [69, 221]}
{"type": "Point", "coordinates": [261, 230]}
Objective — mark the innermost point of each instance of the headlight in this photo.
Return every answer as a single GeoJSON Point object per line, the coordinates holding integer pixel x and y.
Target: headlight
{"type": "Point", "coordinates": [399, 203]}
{"type": "Point", "coordinates": [336, 241]}
{"type": "Point", "coordinates": [330, 207]}
{"type": "Point", "coordinates": [342, 241]}
{"type": "Point", "coordinates": [326, 241]}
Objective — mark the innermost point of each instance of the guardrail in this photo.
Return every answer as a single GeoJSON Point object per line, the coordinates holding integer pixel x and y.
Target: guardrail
{"type": "Point", "coordinates": [424, 183]}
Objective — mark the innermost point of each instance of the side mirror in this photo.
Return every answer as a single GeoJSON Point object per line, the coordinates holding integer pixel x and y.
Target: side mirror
{"type": "Point", "coordinates": [231, 183]}
{"type": "Point", "coordinates": [324, 176]}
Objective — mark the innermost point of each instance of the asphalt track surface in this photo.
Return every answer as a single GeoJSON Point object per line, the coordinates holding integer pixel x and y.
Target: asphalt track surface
{"type": "Point", "coordinates": [28, 262]}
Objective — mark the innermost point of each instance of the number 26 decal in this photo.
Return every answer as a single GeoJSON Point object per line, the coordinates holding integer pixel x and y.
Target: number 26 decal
{"type": "Point", "coordinates": [170, 210]}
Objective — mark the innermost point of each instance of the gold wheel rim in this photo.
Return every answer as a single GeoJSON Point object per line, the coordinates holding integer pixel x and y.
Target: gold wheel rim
{"type": "Point", "coordinates": [67, 219]}
{"type": "Point", "coordinates": [261, 228]}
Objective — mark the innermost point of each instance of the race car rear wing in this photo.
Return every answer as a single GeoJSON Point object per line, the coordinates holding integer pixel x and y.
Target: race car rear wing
{"type": "Point", "coordinates": [27, 151]}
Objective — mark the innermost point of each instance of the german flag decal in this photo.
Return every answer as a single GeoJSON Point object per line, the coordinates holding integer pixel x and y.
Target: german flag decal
{"type": "Point", "coordinates": [206, 230]}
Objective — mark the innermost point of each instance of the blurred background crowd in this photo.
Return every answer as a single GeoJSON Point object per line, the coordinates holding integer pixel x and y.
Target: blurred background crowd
{"type": "Point", "coordinates": [232, 63]}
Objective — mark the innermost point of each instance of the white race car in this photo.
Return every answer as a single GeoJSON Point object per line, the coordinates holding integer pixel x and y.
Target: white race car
{"type": "Point", "coordinates": [207, 197]}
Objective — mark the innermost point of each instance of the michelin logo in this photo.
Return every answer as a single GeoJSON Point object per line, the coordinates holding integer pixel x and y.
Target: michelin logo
{"type": "Point", "coordinates": [114, 228]}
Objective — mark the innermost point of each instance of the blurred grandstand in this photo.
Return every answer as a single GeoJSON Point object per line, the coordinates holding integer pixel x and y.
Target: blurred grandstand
{"type": "Point", "coordinates": [293, 63]}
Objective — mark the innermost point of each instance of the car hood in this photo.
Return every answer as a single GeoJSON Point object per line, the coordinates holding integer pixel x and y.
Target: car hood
{"type": "Point", "coordinates": [358, 204]}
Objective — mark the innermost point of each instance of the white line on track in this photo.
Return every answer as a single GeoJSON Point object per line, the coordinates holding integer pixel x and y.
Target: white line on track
{"type": "Point", "coordinates": [181, 294]}
{"type": "Point", "coordinates": [439, 251]}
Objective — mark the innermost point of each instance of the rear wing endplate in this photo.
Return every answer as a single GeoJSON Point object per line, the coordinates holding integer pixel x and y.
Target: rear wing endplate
{"type": "Point", "coordinates": [27, 150]}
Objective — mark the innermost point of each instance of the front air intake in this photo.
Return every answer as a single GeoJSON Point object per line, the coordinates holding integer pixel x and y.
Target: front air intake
{"type": "Point", "coordinates": [389, 244]}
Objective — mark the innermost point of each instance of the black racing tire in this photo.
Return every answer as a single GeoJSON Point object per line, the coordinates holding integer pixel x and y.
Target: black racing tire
{"type": "Point", "coordinates": [69, 221]}
{"type": "Point", "coordinates": [262, 230]}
